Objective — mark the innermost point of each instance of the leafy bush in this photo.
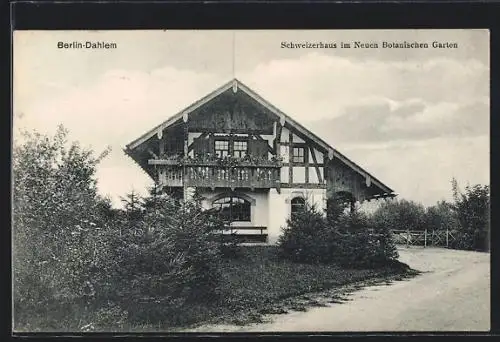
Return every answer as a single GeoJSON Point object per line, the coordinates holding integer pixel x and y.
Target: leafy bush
{"type": "Point", "coordinates": [230, 247]}
{"type": "Point", "coordinates": [359, 242]}
{"type": "Point", "coordinates": [57, 222]}
{"type": "Point", "coordinates": [400, 214]}
{"type": "Point", "coordinates": [386, 245]}
{"type": "Point", "coordinates": [74, 255]}
{"type": "Point", "coordinates": [473, 209]}
{"type": "Point", "coordinates": [441, 216]}
{"type": "Point", "coordinates": [350, 240]}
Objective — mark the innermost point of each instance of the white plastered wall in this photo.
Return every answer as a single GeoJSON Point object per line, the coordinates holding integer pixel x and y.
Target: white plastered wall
{"type": "Point", "coordinates": [280, 207]}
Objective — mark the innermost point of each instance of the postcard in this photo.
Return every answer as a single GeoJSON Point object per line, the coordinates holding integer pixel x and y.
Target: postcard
{"type": "Point", "coordinates": [219, 181]}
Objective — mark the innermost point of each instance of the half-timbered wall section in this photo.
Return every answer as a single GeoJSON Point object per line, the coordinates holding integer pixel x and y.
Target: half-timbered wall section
{"type": "Point", "coordinates": [303, 165]}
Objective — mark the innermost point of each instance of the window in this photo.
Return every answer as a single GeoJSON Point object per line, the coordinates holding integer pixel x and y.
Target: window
{"type": "Point", "coordinates": [240, 149]}
{"type": "Point", "coordinates": [298, 155]}
{"type": "Point", "coordinates": [221, 148]}
{"type": "Point", "coordinates": [233, 208]}
{"type": "Point", "coordinates": [298, 204]}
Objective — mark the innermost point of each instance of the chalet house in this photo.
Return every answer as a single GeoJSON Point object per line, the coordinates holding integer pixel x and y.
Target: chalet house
{"type": "Point", "coordinates": [250, 160]}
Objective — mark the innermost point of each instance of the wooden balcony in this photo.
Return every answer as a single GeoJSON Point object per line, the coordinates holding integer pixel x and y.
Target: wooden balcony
{"type": "Point", "coordinates": [210, 174]}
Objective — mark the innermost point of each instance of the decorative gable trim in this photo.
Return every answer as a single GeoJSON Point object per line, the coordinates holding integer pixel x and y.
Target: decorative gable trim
{"type": "Point", "coordinates": [180, 115]}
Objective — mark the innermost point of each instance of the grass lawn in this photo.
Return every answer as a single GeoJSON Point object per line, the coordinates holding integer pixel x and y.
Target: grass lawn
{"type": "Point", "coordinates": [255, 284]}
{"type": "Point", "coordinates": [259, 283]}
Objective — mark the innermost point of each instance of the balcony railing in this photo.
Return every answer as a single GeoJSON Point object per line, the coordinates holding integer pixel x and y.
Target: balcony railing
{"type": "Point", "coordinates": [213, 174]}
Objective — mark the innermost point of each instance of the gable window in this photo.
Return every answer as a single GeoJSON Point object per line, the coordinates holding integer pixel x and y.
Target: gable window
{"type": "Point", "coordinates": [221, 148]}
{"type": "Point", "coordinates": [298, 155]}
{"type": "Point", "coordinates": [233, 208]}
{"type": "Point", "coordinates": [298, 205]}
{"type": "Point", "coordinates": [240, 149]}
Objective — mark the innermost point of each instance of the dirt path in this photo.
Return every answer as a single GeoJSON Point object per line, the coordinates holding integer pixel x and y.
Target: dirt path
{"type": "Point", "coordinates": [453, 294]}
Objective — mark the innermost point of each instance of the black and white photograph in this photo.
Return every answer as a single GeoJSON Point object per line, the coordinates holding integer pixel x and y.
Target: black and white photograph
{"type": "Point", "coordinates": [219, 181]}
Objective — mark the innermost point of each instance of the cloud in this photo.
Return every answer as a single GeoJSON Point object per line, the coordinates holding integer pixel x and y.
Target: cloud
{"type": "Point", "coordinates": [422, 170]}
{"type": "Point", "coordinates": [119, 105]}
{"type": "Point", "coordinates": [317, 86]}
{"type": "Point", "coordinates": [112, 111]}
{"type": "Point", "coordinates": [405, 120]}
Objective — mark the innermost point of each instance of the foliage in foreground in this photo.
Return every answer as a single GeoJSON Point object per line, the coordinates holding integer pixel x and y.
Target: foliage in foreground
{"type": "Point", "coordinates": [75, 256]}
{"type": "Point", "coordinates": [347, 239]}
{"type": "Point", "coordinates": [472, 208]}
{"type": "Point", "coordinates": [58, 220]}
{"type": "Point", "coordinates": [170, 262]}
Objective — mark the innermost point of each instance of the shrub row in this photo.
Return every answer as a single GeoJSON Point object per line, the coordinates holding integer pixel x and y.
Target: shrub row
{"type": "Point", "coordinates": [347, 239]}
{"type": "Point", "coordinates": [467, 216]}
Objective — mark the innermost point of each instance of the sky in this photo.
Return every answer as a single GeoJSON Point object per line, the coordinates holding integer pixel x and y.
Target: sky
{"type": "Point", "coordinates": [413, 118]}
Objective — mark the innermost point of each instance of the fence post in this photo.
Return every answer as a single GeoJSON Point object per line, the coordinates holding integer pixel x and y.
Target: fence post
{"type": "Point", "coordinates": [446, 237]}
{"type": "Point", "coordinates": [407, 238]}
{"type": "Point", "coordinates": [425, 237]}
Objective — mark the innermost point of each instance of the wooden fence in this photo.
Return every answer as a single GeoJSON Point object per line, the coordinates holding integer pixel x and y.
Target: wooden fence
{"type": "Point", "coordinates": [440, 238]}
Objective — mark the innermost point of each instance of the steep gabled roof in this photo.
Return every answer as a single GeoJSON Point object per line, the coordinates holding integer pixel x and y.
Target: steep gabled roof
{"type": "Point", "coordinates": [238, 85]}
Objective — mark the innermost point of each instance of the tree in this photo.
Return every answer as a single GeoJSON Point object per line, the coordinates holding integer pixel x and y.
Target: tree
{"type": "Point", "coordinates": [335, 208]}
{"type": "Point", "coordinates": [441, 216]}
{"type": "Point", "coordinates": [304, 237]}
{"type": "Point", "coordinates": [400, 214]}
{"type": "Point", "coordinates": [343, 238]}
{"type": "Point", "coordinates": [473, 209]}
{"type": "Point", "coordinates": [57, 217]}
{"type": "Point", "coordinates": [133, 205]}
{"type": "Point", "coordinates": [174, 263]}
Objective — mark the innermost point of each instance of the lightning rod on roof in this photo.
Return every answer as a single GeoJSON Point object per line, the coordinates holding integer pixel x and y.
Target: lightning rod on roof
{"type": "Point", "coordinates": [234, 59]}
